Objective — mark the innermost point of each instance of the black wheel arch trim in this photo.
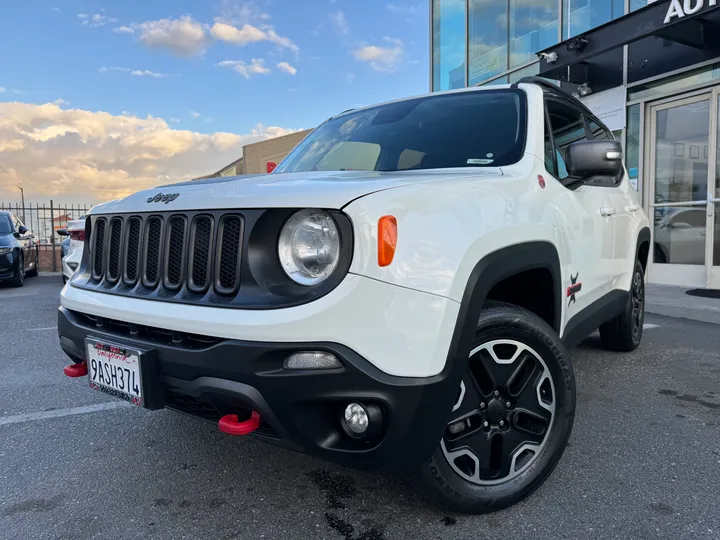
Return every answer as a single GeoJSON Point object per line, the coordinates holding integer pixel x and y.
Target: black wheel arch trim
{"type": "Point", "coordinates": [492, 269]}
{"type": "Point", "coordinates": [643, 237]}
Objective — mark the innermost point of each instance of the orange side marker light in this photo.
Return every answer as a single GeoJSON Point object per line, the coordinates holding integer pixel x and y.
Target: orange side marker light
{"type": "Point", "coordinates": [387, 239]}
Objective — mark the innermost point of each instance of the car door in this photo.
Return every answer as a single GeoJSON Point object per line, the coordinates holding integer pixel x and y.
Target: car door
{"type": "Point", "coordinates": [584, 210]}
{"type": "Point", "coordinates": [626, 210]}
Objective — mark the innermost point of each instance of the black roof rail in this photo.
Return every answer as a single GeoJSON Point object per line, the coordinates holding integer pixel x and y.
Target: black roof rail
{"type": "Point", "coordinates": [552, 88]}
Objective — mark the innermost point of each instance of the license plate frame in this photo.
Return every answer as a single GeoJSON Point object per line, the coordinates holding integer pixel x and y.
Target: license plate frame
{"type": "Point", "coordinates": [137, 357]}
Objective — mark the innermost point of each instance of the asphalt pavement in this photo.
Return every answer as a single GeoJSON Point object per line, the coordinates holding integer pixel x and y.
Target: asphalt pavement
{"type": "Point", "coordinates": [643, 460]}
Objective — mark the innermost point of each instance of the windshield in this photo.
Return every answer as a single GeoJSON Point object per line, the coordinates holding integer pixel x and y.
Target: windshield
{"type": "Point", "coordinates": [467, 129]}
{"type": "Point", "coordinates": [5, 224]}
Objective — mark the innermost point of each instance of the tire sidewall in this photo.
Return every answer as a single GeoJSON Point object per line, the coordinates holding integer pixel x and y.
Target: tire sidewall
{"type": "Point", "coordinates": [542, 339]}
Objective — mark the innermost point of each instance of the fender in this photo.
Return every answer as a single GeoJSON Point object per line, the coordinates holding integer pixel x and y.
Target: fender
{"type": "Point", "coordinates": [492, 269]}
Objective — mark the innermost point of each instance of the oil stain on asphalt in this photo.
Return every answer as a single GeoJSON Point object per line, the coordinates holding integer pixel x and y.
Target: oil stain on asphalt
{"type": "Point", "coordinates": [338, 489]}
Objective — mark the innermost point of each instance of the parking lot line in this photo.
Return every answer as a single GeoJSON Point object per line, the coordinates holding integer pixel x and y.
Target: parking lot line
{"type": "Point", "coordinates": [648, 326]}
{"type": "Point", "coordinates": [59, 413]}
{"type": "Point", "coordinates": [47, 328]}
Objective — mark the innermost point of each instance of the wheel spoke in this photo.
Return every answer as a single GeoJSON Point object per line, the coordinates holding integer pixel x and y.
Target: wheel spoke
{"type": "Point", "coordinates": [468, 401]}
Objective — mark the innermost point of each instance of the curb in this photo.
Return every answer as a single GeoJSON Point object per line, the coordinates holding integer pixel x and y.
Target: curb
{"type": "Point", "coordinates": [706, 314]}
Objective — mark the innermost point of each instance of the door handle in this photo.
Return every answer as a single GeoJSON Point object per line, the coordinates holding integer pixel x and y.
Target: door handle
{"type": "Point", "coordinates": [632, 207]}
{"type": "Point", "coordinates": [607, 211]}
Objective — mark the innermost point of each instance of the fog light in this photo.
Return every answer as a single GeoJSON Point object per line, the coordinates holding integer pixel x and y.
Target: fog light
{"type": "Point", "coordinates": [312, 360]}
{"type": "Point", "coordinates": [356, 418]}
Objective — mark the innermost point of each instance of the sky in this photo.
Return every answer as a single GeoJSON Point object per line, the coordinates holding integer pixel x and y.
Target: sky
{"type": "Point", "coordinates": [101, 99]}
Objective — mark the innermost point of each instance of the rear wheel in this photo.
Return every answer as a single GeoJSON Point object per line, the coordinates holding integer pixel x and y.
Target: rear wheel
{"type": "Point", "coordinates": [624, 332]}
{"type": "Point", "coordinates": [513, 415]}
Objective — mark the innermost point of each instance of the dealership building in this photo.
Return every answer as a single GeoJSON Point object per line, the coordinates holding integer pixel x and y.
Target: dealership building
{"type": "Point", "coordinates": [650, 69]}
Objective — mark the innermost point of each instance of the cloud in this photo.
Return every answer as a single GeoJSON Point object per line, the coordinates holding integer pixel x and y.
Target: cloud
{"type": "Point", "coordinates": [95, 21]}
{"type": "Point", "coordinates": [123, 30]}
{"type": "Point", "coordinates": [287, 68]}
{"type": "Point", "coordinates": [10, 90]}
{"type": "Point", "coordinates": [380, 58]}
{"type": "Point", "coordinates": [148, 73]}
{"type": "Point", "coordinates": [350, 78]}
{"type": "Point", "coordinates": [195, 114]}
{"type": "Point", "coordinates": [249, 34]}
{"type": "Point", "coordinates": [182, 37]}
{"type": "Point", "coordinates": [255, 67]}
{"type": "Point", "coordinates": [174, 120]}
{"type": "Point", "coordinates": [105, 69]}
{"type": "Point", "coordinates": [415, 9]}
{"type": "Point", "coordinates": [339, 22]}
{"type": "Point", "coordinates": [75, 155]}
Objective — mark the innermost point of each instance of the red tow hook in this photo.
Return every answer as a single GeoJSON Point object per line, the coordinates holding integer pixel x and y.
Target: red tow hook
{"type": "Point", "coordinates": [76, 370]}
{"type": "Point", "coordinates": [229, 424]}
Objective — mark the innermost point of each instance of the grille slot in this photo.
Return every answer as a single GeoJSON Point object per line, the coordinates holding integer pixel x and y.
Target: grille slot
{"type": "Point", "coordinates": [200, 248]}
{"type": "Point", "coordinates": [99, 251]}
{"type": "Point", "coordinates": [132, 250]}
{"type": "Point", "coordinates": [152, 241]}
{"type": "Point", "coordinates": [229, 251]}
{"type": "Point", "coordinates": [175, 252]}
{"type": "Point", "coordinates": [115, 237]}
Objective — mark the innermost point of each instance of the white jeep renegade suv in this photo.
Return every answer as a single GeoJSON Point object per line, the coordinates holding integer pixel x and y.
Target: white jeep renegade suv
{"type": "Point", "coordinates": [401, 292]}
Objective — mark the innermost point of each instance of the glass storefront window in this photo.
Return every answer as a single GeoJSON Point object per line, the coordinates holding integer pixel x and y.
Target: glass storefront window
{"type": "Point", "coordinates": [637, 4]}
{"type": "Point", "coordinates": [529, 71]}
{"type": "Point", "coordinates": [701, 75]}
{"type": "Point", "coordinates": [488, 39]}
{"type": "Point", "coordinates": [448, 26]}
{"type": "Point", "coordinates": [533, 27]}
{"type": "Point", "coordinates": [582, 15]}
{"type": "Point", "coordinates": [632, 144]}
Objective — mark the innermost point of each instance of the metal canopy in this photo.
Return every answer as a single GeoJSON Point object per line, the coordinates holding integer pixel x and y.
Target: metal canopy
{"type": "Point", "coordinates": [655, 46]}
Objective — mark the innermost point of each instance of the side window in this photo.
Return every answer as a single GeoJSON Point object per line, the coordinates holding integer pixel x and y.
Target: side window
{"type": "Point", "coordinates": [567, 127]}
{"type": "Point", "coordinates": [599, 132]}
{"type": "Point", "coordinates": [15, 221]}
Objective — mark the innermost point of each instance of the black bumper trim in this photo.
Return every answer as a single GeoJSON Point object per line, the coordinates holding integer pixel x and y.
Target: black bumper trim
{"type": "Point", "coordinates": [300, 409]}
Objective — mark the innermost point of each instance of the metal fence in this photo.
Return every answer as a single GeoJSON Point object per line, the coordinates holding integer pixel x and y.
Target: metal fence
{"type": "Point", "coordinates": [43, 220]}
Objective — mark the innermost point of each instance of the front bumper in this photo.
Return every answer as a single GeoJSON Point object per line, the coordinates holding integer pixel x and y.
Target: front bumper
{"type": "Point", "coordinates": [8, 266]}
{"type": "Point", "coordinates": [210, 377]}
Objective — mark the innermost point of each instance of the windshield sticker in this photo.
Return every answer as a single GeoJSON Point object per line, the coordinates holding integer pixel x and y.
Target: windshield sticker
{"type": "Point", "coordinates": [472, 161]}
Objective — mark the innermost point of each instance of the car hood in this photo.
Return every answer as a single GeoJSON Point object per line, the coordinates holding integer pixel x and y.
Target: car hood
{"type": "Point", "coordinates": [331, 189]}
{"type": "Point", "coordinates": [7, 240]}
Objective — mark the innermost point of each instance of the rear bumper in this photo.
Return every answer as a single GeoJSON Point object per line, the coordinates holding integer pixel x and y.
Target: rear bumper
{"type": "Point", "coordinates": [211, 377]}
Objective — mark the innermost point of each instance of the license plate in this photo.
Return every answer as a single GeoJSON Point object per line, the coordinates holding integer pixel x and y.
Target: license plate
{"type": "Point", "coordinates": [115, 370]}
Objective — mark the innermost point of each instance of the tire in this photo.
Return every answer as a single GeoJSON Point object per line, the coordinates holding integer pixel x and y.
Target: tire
{"type": "Point", "coordinates": [624, 332]}
{"type": "Point", "coordinates": [19, 280]}
{"type": "Point", "coordinates": [33, 272]}
{"type": "Point", "coordinates": [65, 279]}
{"type": "Point", "coordinates": [547, 388]}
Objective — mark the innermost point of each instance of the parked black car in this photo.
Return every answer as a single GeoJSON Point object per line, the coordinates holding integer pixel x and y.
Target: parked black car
{"type": "Point", "coordinates": [18, 251]}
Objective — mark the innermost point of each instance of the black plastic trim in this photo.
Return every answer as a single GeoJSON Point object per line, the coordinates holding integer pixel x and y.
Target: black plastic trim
{"type": "Point", "coordinates": [303, 407]}
{"type": "Point", "coordinates": [593, 316]}
{"type": "Point", "coordinates": [147, 282]}
{"type": "Point", "coordinates": [125, 248]}
{"type": "Point", "coordinates": [166, 250]}
{"type": "Point", "coordinates": [492, 269]}
{"type": "Point", "coordinates": [192, 286]}
{"type": "Point", "coordinates": [220, 246]}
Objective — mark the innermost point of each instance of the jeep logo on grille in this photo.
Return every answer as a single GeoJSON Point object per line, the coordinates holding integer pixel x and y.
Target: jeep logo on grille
{"type": "Point", "coordinates": [163, 197]}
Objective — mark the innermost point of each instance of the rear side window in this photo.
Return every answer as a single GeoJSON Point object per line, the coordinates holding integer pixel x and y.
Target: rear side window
{"type": "Point", "coordinates": [5, 224]}
{"type": "Point", "coordinates": [567, 127]}
{"type": "Point", "coordinates": [599, 132]}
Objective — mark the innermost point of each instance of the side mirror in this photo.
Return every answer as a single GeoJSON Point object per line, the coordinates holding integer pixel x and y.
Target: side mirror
{"type": "Point", "coordinates": [680, 225]}
{"type": "Point", "coordinates": [22, 229]}
{"type": "Point", "coordinates": [62, 232]}
{"type": "Point", "coordinates": [588, 159]}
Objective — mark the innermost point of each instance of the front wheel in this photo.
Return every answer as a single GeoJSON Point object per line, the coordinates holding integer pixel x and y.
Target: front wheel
{"type": "Point", "coordinates": [19, 280]}
{"type": "Point", "coordinates": [512, 418]}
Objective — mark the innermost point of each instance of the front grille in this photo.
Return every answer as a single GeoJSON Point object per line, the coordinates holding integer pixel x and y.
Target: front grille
{"type": "Point", "coordinates": [171, 252]}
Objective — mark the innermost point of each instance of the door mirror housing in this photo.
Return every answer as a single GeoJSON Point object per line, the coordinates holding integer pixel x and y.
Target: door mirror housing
{"type": "Point", "coordinates": [587, 160]}
{"type": "Point", "coordinates": [22, 229]}
{"type": "Point", "coordinates": [62, 232]}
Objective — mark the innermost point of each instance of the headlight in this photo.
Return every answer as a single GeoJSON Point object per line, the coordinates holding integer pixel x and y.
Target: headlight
{"type": "Point", "coordinates": [309, 247]}
{"type": "Point", "coordinates": [5, 250]}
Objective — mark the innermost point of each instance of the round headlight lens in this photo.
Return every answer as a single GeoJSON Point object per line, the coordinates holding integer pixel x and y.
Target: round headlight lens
{"type": "Point", "coordinates": [309, 247]}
